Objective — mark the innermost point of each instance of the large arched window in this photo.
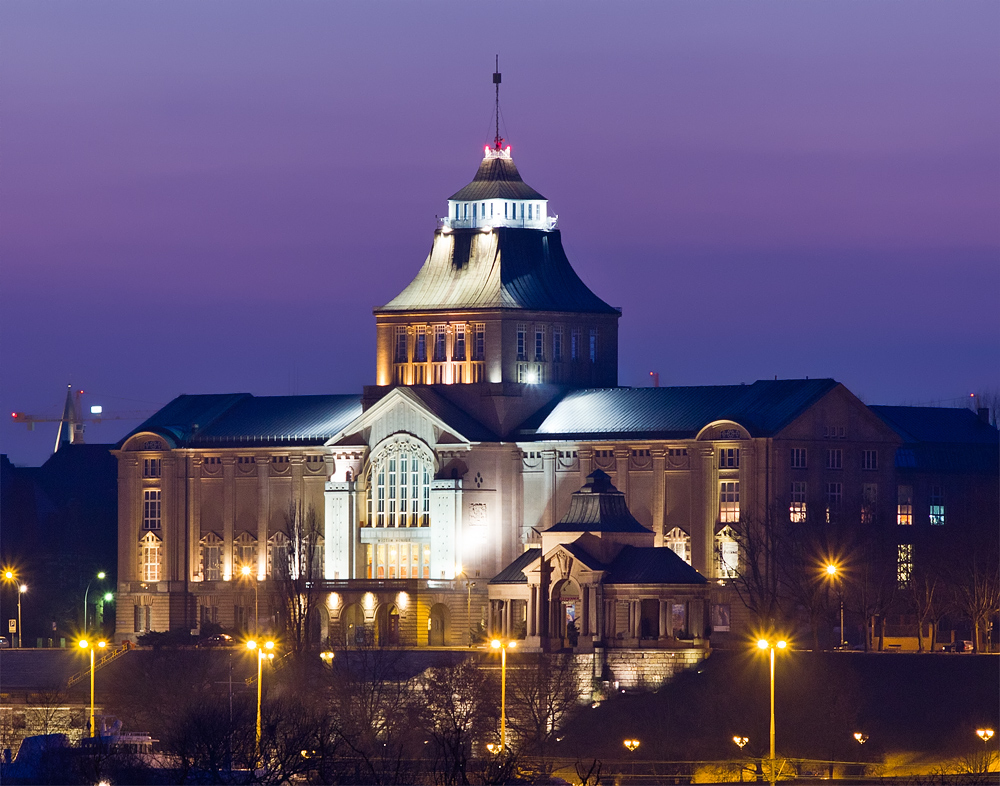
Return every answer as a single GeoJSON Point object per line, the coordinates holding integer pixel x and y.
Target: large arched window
{"type": "Point", "coordinates": [399, 486]}
{"type": "Point", "coordinates": [150, 548]}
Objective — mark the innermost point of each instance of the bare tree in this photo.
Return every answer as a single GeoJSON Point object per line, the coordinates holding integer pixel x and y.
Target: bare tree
{"type": "Point", "coordinates": [298, 567]}
{"type": "Point", "coordinates": [760, 540]}
{"type": "Point", "coordinates": [973, 571]}
{"type": "Point", "coordinates": [542, 690]}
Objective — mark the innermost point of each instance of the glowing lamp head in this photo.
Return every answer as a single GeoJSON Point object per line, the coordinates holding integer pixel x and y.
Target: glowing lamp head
{"type": "Point", "coordinates": [251, 645]}
{"type": "Point", "coordinates": [269, 645]}
{"type": "Point", "coordinates": [512, 644]}
{"type": "Point", "coordinates": [495, 644]}
{"type": "Point", "coordinates": [245, 570]}
{"type": "Point", "coordinates": [782, 645]}
{"type": "Point", "coordinates": [101, 575]}
{"type": "Point", "coordinates": [8, 574]}
{"type": "Point", "coordinates": [762, 643]}
{"type": "Point", "coordinates": [831, 570]}
{"type": "Point", "coordinates": [102, 644]}
{"type": "Point", "coordinates": [83, 643]}
{"type": "Point", "coordinates": [23, 588]}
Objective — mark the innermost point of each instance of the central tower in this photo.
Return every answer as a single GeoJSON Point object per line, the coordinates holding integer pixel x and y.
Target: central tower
{"type": "Point", "coordinates": [496, 300]}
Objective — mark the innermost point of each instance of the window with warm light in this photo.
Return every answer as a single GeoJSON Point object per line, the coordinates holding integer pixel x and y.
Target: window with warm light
{"type": "Point", "coordinates": [151, 509]}
{"type": "Point", "coordinates": [904, 563]}
{"type": "Point", "coordinates": [402, 346]}
{"type": "Point", "coordinates": [211, 557]}
{"type": "Point", "coordinates": [729, 501]}
{"type": "Point", "coordinates": [904, 505]}
{"type": "Point", "coordinates": [797, 504]}
{"type": "Point", "coordinates": [399, 486]}
{"type": "Point", "coordinates": [679, 542]}
{"type": "Point", "coordinates": [150, 550]}
{"type": "Point", "coordinates": [727, 554]}
{"type": "Point", "coordinates": [245, 552]}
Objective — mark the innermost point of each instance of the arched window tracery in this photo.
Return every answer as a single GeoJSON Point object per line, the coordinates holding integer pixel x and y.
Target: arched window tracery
{"type": "Point", "coordinates": [399, 486]}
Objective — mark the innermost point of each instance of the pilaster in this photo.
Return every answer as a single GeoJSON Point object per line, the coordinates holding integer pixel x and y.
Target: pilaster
{"type": "Point", "coordinates": [549, 472]}
{"type": "Point", "coordinates": [228, 513]}
{"type": "Point", "coordinates": [263, 512]}
{"type": "Point", "coordinates": [194, 465]}
{"type": "Point", "coordinates": [340, 533]}
{"type": "Point", "coordinates": [622, 456]}
{"type": "Point", "coordinates": [704, 495]}
{"type": "Point", "coordinates": [659, 456]}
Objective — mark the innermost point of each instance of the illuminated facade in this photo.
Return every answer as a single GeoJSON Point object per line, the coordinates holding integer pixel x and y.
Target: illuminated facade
{"type": "Point", "coordinates": [496, 401]}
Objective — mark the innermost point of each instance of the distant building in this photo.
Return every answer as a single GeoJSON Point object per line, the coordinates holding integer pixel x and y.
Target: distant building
{"type": "Point", "coordinates": [496, 401]}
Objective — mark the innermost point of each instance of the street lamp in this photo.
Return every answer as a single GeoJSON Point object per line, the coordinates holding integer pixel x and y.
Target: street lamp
{"type": "Point", "coordinates": [246, 571]}
{"type": "Point", "coordinates": [764, 644]}
{"type": "Point", "coordinates": [833, 573]}
{"type": "Point", "coordinates": [741, 741]}
{"type": "Point", "coordinates": [630, 744]}
{"type": "Point", "coordinates": [985, 735]}
{"type": "Point", "coordinates": [861, 737]}
{"type": "Point", "coordinates": [264, 652]}
{"type": "Point", "coordinates": [86, 594]}
{"type": "Point", "coordinates": [10, 577]}
{"type": "Point", "coordinates": [88, 645]}
{"type": "Point", "coordinates": [503, 647]}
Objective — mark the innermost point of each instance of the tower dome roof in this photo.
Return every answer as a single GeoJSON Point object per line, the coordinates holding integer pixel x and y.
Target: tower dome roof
{"type": "Point", "coordinates": [497, 178]}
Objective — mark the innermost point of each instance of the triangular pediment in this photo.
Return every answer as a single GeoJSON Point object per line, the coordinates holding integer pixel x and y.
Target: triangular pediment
{"type": "Point", "coordinates": [400, 410]}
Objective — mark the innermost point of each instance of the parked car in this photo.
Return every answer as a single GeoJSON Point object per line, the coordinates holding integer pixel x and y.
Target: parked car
{"type": "Point", "coordinates": [4, 643]}
{"type": "Point", "coordinates": [218, 640]}
{"type": "Point", "coordinates": [958, 646]}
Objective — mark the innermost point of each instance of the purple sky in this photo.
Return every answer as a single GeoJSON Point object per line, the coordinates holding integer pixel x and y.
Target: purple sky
{"type": "Point", "coordinates": [210, 197]}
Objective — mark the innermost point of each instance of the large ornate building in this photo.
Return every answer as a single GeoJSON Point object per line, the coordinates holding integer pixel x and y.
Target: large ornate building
{"type": "Point", "coordinates": [496, 400]}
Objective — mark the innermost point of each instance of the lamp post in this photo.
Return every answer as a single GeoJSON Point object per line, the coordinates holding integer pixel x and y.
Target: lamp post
{"type": "Point", "coordinates": [503, 647]}
{"type": "Point", "coordinates": [10, 577]}
{"type": "Point", "coordinates": [264, 652]}
{"type": "Point", "coordinates": [86, 594]}
{"type": "Point", "coordinates": [741, 743]}
{"type": "Point", "coordinates": [764, 644]}
{"type": "Point", "coordinates": [88, 645]}
{"type": "Point", "coordinates": [247, 571]}
{"type": "Point", "coordinates": [833, 572]}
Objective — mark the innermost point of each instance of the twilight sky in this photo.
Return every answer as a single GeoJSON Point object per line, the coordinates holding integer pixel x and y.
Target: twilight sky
{"type": "Point", "coordinates": [211, 197]}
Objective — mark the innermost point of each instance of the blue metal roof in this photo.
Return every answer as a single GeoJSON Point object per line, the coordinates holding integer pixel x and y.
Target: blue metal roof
{"type": "Point", "coordinates": [763, 408]}
{"type": "Point", "coordinates": [240, 419]}
{"type": "Point", "coordinates": [938, 424]}
{"type": "Point", "coordinates": [598, 507]}
{"type": "Point", "coordinates": [658, 565]}
{"type": "Point", "coordinates": [514, 573]}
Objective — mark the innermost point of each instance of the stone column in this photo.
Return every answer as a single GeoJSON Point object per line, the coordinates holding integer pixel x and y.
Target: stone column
{"type": "Point", "coordinates": [172, 522]}
{"type": "Point", "coordinates": [664, 616]}
{"type": "Point", "coordinates": [194, 466]}
{"type": "Point", "coordinates": [659, 455]}
{"type": "Point", "coordinates": [549, 470]}
{"type": "Point", "coordinates": [586, 456]}
{"type": "Point", "coordinates": [533, 611]}
{"type": "Point", "coordinates": [622, 456]}
{"type": "Point", "coordinates": [340, 529]}
{"type": "Point", "coordinates": [263, 465]}
{"type": "Point", "coordinates": [228, 514]}
{"type": "Point", "coordinates": [298, 463]}
{"type": "Point", "coordinates": [585, 612]}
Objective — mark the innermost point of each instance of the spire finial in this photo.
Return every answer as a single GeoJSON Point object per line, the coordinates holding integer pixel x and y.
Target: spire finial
{"type": "Point", "coordinates": [497, 140]}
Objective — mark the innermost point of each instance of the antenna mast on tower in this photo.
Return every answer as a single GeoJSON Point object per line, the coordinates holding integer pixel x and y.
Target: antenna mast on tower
{"type": "Point", "coordinates": [497, 140]}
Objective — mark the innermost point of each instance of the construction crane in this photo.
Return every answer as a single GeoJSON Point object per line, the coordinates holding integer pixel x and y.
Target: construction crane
{"type": "Point", "coordinates": [71, 424]}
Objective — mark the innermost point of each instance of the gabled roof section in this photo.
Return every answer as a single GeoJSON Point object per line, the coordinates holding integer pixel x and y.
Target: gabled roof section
{"type": "Point", "coordinates": [514, 573]}
{"type": "Point", "coordinates": [240, 419]}
{"type": "Point", "coordinates": [660, 565]}
{"type": "Point", "coordinates": [496, 178]}
{"type": "Point", "coordinates": [938, 424]}
{"type": "Point", "coordinates": [505, 268]}
{"type": "Point", "coordinates": [763, 408]}
{"type": "Point", "coordinates": [939, 439]}
{"type": "Point", "coordinates": [598, 507]}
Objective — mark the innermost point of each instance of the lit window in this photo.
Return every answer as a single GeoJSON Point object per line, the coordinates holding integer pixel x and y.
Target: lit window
{"type": "Point", "coordinates": [834, 458]}
{"type": "Point", "coordinates": [557, 344]}
{"type": "Point", "coordinates": [420, 353]}
{"type": "Point", "coordinates": [440, 348]}
{"type": "Point", "coordinates": [728, 553]}
{"type": "Point", "coordinates": [211, 557]}
{"type": "Point", "coordinates": [904, 563]}
{"type": "Point", "coordinates": [401, 344]}
{"type": "Point", "coordinates": [869, 459]}
{"type": "Point", "coordinates": [150, 548]}
{"type": "Point", "coordinates": [834, 497]}
{"type": "Point", "coordinates": [937, 506]}
{"type": "Point", "coordinates": [459, 350]}
{"type": "Point", "coordinates": [245, 552]}
{"type": "Point", "coordinates": [399, 559]}
{"type": "Point", "coordinates": [797, 505]}
{"type": "Point", "coordinates": [399, 486]}
{"type": "Point", "coordinates": [904, 505]}
{"type": "Point", "coordinates": [278, 562]}
{"type": "Point", "coordinates": [679, 542]}
{"type": "Point", "coordinates": [151, 509]}
{"type": "Point", "coordinates": [798, 458]}
{"type": "Point", "coordinates": [729, 458]}
{"type": "Point", "coordinates": [729, 501]}
{"type": "Point", "coordinates": [151, 468]}
{"type": "Point", "coordinates": [521, 331]}
{"type": "Point", "coordinates": [479, 350]}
